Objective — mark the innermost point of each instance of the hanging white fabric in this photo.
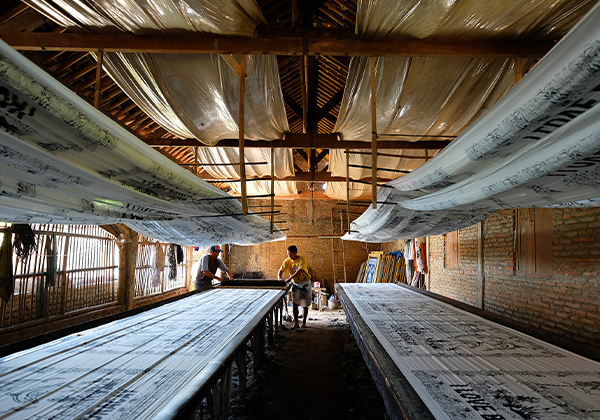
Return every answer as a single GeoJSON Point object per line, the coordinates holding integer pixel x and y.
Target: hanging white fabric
{"type": "Point", "coordinates": [537, 147]}
{"type": "Point", "coordinates": [191, 96]}
{"type": "Point", "coordinates": [63, 161]}
{"type": "Point", "coordinates": [259, 166]}
{"type": "Point", "coordinates": [337, 190]}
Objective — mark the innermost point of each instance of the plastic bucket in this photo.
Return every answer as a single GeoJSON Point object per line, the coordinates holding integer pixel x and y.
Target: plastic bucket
{"type": "Point", "coordinates": [333, 304]}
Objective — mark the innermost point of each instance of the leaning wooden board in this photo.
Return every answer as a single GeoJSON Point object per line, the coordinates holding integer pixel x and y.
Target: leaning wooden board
{"type": "Point", "coordinates": [432, 360]}
{"type": "Point", "coordinates": [148, 366]}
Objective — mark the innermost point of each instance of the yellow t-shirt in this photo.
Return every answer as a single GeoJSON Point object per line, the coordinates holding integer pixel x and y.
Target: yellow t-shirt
{"type": "Point", "coordinates": [292, 266]}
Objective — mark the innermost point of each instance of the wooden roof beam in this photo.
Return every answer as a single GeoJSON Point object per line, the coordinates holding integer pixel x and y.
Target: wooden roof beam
{"type": "Point", "coordinates": [306, 141]}
{"type": "Point", "coordinates": [300, 176]}
{"type": "Point", "coordinates": [310, 41]}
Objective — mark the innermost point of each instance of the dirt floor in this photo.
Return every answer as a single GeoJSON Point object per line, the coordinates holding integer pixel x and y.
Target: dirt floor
{"type": "Point", "coordinates": [313, 373]}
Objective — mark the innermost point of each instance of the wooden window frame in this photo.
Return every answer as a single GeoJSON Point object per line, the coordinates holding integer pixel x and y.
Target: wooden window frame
{"type": "Point", "coordinates": [533, 242]}
{"type": "Point", "coordinates": [452, 254]}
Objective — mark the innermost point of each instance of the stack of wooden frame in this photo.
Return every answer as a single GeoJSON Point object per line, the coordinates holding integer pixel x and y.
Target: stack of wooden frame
{"type": "Point", "coordinates": [383, 267]}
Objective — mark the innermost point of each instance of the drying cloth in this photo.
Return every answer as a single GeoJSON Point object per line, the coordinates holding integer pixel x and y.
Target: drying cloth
{"type": "Point", "coordinates": [143, 367]}
{"type": "Point", "coordinates": [460, 363]}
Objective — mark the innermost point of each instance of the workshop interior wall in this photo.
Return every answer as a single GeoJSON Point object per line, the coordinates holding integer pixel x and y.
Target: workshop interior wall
{"type": "Point", "coordinates": [564, 303]}
{"type": "Point", "coordinates": [306, 221]}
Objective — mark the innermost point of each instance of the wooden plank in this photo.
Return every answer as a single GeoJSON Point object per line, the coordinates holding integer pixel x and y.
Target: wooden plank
{"type": "Point", "coordinates": [308, 41]}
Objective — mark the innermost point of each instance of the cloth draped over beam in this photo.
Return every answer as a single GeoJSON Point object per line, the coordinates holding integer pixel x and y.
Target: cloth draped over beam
{"type": "Point", "coordinates": [538, 146]}
{"type": "Point", "coordinates": [191, 95]}
{"type": "Point", "coordinates": [146, 366]}
{"type": "Point", "coordinates": [63, 161]}
{"type": "Point", "coordinates": [261, 168]}
{"type": "Point", "coordinates": [419, 97]}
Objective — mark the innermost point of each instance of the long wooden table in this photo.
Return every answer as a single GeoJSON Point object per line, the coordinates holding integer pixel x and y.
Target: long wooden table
{"type": "Point", "coordinates": [158, 364]}
{"type": "Point", "coordinates": [431, 360]}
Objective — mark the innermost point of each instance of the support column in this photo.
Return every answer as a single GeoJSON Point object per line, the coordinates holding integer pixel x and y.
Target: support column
{"type": "Point", "coordinates": [480, 267]}
{"type": "Point", "coordinates": [241, 135]}
{"type": "Point", "coordinates": [189, 254]}
{"type": "Point", "coordinates": [373, 61]}
{"type": "Point", "coordinates": [127, 262]}
{"type": "Point", "coordinates": [242, 368]}
{"type": "Point", "coordinates": [98, 86]}
{"type": "Point", "coordinates": [270, 326]}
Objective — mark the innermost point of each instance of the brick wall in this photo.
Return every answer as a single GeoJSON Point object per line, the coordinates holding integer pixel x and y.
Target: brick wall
{"type": "Point", "coordinates": [456, 283]}
{"type": "Point", "coordinates": [306, 220]}
{"type": "Point", "coordinates": [565, 304]}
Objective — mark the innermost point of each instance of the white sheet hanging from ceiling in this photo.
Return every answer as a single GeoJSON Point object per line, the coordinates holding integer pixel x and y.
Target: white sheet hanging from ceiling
{"type": "Point", "coordinates": [437, 96]}
{"type": "Point", "coordinates": [62, 161]}
{"type": "Point", "coordinates": [539, 146]}
{"type": "Point", "coordinates": [259, 166]}
{"type": "Point", "coordinates": [192, 96]}
{"type": "Point", "coordinates": [338, 191]}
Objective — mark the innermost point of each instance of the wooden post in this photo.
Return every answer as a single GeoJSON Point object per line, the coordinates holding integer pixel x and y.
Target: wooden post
{"type": "Point", "coordinates": [241, 132]}
{"type": "Point", "coordinates": [242, 368]}
{"type": "Point", "coordinates": [303, 80]}
{"type": "Point", "coordinates": [480, 267]}
{"type": "Point", "coordinates": [189, 254]}
{"type": "Point", "coordinates": [63, 277]}
{"type": "Point", "coordinates": [518, 69]}
{"type": "Point", "coordinates": [272, 188]}
{"type": "Point", "coordinates": [98, 80]}
{"type": "Point", "coordinates": [348, 187]}
{"type": "Point", "coordinates": [271, 341]}
{"type": "Point", "coordinates": [373, 133]}
{"type": "Point", "coordinates": [127, 263]}
{"type": "Point", "coordinates": [295, 13]}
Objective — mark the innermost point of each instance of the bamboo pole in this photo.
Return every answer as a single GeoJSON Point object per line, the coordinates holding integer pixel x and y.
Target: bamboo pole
{"type": "Point", "coordinates": [241, 133]}
{"type": "Point", "coordinates": [373, 61]}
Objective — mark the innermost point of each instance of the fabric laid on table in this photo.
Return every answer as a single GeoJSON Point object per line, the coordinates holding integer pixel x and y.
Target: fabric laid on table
{"type": "Point", "coordinates": [64, 162]}
{"type": "Point", "coordinates": [537, 147]}
{"type": "Point", "coordinates": [146, 366]}
{"type": "Point", "coordinates": [463, 366]}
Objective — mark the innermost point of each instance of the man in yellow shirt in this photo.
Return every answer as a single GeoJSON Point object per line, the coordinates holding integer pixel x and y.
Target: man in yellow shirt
{"type": "Point", "coordinates": [295, 266]}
